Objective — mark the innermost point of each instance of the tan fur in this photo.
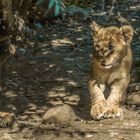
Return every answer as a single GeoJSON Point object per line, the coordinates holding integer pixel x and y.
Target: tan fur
{"type": "Point", "coordinates": [110, 69]}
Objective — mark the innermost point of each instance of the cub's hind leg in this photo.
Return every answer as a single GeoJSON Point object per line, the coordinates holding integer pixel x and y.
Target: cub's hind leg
{"type": "Point", "coordinates": [98, 101]}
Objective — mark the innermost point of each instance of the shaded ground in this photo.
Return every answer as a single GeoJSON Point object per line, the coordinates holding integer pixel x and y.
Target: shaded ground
{"type": "Point", "coordinates": [56, 72]}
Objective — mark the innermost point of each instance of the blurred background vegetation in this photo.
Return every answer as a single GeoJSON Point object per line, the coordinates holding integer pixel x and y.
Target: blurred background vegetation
{"type": "Point", "coordinates": [18, 12]}
{"type": "Point", "coordinates": [23, 16]}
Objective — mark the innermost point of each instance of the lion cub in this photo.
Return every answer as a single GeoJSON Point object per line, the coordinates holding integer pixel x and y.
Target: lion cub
{"type": "Point", "coordinates": [110, 70]}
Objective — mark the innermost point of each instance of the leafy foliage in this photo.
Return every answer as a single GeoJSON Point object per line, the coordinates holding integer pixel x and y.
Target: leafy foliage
{"type": "Point", "coordinates": [56, 5]}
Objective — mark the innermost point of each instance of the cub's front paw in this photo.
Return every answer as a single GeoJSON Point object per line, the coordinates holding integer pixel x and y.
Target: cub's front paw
{"type": "Point", "coordinates": [98, 110]}
{"type": "Point", "coordinates": [113, 111]}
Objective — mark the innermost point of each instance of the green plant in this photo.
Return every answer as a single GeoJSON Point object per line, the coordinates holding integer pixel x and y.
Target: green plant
{"type": "Point", "coordinates": [56, 5]}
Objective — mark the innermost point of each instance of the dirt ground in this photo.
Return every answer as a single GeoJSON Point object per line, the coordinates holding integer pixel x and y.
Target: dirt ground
{"type": "Point", "coordinates": [55, 72]}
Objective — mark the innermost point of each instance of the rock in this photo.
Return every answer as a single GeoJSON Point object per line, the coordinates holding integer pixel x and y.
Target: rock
{"type": "Point", "coordinates": [60, 115]}
{"type": "Point", "coordinates": [134, 99]}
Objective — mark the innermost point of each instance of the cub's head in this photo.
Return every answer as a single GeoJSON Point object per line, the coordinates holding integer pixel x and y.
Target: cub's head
{"type": "Point", "coordinates": [111, 44]}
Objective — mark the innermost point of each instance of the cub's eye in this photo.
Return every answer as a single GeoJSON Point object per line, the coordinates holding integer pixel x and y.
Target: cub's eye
{"type": "Point", "coordinates": [110, 46]}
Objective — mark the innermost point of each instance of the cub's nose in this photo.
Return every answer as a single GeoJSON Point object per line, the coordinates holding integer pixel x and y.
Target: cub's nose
{"type": "Point", "coordinates": [100, 54]}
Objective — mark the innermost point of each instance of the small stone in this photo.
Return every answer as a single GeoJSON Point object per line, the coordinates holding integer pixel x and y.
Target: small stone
{"type": "Point", "coordinates": [60, 115]}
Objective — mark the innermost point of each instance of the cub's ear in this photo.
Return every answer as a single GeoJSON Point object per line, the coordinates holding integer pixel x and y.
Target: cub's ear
{"type": "Point", "coordinates": [127, 33]}
{"type": "Point", "coordinates": [95, 27]}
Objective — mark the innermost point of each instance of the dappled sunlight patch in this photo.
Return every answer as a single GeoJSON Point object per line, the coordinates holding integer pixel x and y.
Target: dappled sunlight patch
{"type": "Point", "coordinates": [79, 39]}
{"type": "Point", "coordinates": [135, 7]}
{"type": "Point", "coordinates": [72, 98]}
{"type": "Point", "coordinates": [50, 66]}
{"type": "Point", "coordinates": [78, 29]}
{"type": "Point", "coordinates": [55, 102]}
{"type": "Point", "coordinates": [69, 71]}
{"type": "Point", "coordinates": [45, 52]}
{"type": "Point", "coordinates": [59, 88]}
{"type": "Point", "coordinates": [56, 94]}
{"type": "Point", "coordinates": [61, 42]}
{"type": "Point", "coordinates": [62, 94]}
{"type": "Point", "coordinates": [72, 83]}
{"type": "Point", "coordinates": [59, 79]}
{"type": "Point", "coordinates": [9, 93]}
{"type": "Point", "coordinates": [32, 107]}
{"type": "Point", "coordinates": [61, 98]}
